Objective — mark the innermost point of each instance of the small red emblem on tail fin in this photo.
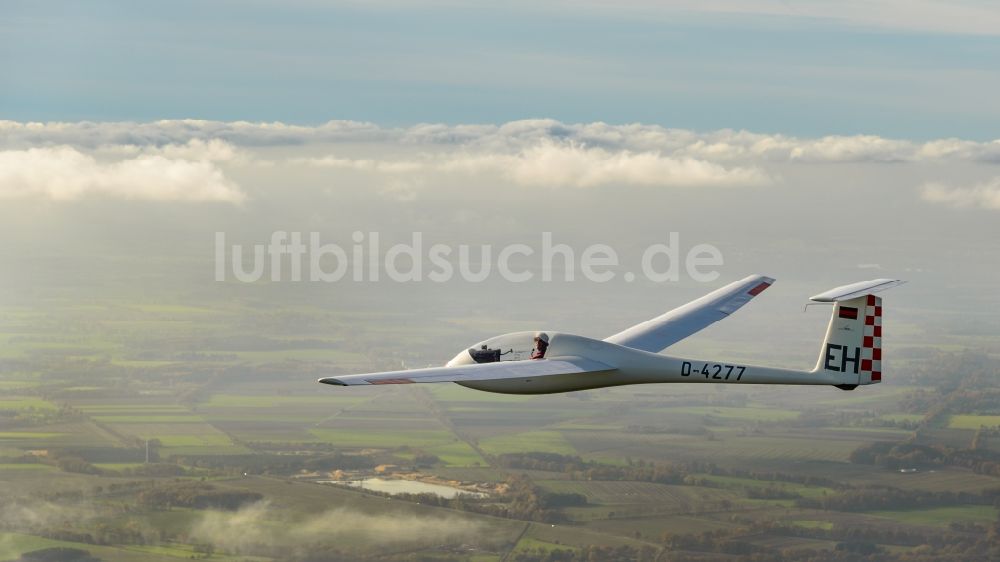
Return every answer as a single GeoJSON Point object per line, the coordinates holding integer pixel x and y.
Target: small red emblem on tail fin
{"type": "Point", "coordinates": [849, 312]}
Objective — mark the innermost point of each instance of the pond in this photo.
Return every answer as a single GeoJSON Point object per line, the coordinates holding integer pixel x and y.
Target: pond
{"type": "Point", "coordinates": [395, 486]}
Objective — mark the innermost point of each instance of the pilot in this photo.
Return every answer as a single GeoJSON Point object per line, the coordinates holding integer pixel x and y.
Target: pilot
{"type": "Point", "coordinates": [541, 344]}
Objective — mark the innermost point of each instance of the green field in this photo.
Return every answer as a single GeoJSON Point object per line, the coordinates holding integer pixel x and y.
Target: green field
{"type": "Point", "coordinates": [105, 408]}
{"type": "Point", "coordinates": [329, 400]}
{"type": "Point", "coordinates": [973, 422]}
{"type": "Point", "coordinates": [942, 516]}
{"type": "Point", "coordinates": [812, 524]}
{"type": "Point", "coordinates": [641, 496]}
{"type": "Point", "coordinates": [748, 414]}
{"type": "Point", "coordinates": [153, 418]}
{"type": "Point", "coordinates": [913, 418]}
{"type": "Point", "coordinates": [743, 483]}
{"type": "Point", "coordinates": [12, 545]}
{"type": "Point", "coordinates": [221, 388]}
{"type": "Point", "coordinates": [28, 435]}
{"type": "Point", "coordinates": [387, 439]}
{"type": "Point", "coordinates": [26, 467]}
{"type": "Point", "coordinates": [548, 441]}
{"type": "Point", "coordinates": [25, 403]}
{"type": "Point", "coordinates": [457, 453]}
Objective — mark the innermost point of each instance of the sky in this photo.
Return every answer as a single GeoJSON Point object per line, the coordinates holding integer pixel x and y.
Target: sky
{"type": "Point", "coordinates": [902, 69]}
{"type": "Point", "coordinates": [817, 142]}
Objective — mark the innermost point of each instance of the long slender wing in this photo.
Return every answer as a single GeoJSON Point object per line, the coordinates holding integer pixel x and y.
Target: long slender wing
{"type": "Point", "coordinates": [476, 372]}
{"type": "Point", "coordinates": [667, 329]}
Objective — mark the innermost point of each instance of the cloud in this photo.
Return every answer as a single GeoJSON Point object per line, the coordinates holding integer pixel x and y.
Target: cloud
{"type": "Point", "coordinates": [363, 164]}
{"type": "Point", "coordinates": [92, 135]}
{"type": "Point", "coordinates": [746, 146]}
{"type": "Point", "coordinates": [63, 173]}
{"type": "Point", "coordinates": [213, 150]}
{"type": "Point", "coordinates": [553, 164]}
{"type": "Point", "coordinates": [963, 150]}
{"type": "Point", "coordinates": [216, 140]}
{"type": "Point", "coordinates": [184, 160]}
{"type": "Point", "coordinates": [27, 514]}
{"type": "Point", "coordinates": [262, 524]}
{"type": "Point", "coordinates": [984, 195]}
{"type": "Point", "coordinates": [858, 148]}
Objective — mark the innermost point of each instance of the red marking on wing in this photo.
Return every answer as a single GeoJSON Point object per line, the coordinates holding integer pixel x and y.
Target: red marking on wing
{"type": "Point", "coordinates": [758, 289]}
{"type": "Point", "coordinates": [390, 381]}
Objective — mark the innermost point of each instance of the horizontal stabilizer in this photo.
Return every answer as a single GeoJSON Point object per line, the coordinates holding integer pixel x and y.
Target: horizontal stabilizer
{"type": "Point", "coordinates": [854, 290]}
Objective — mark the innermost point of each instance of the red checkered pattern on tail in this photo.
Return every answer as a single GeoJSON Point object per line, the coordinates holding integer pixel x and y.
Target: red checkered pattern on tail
{"type": "Point", "coordinates": [871, 348]}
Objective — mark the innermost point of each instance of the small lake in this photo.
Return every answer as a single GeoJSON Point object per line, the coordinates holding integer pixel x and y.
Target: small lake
{"type": "Point", "coordinates": [394, 487]}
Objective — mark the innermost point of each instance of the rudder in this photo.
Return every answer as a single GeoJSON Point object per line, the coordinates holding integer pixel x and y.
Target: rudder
{"type": "Point", "coordinates": [853, 345]}
{"type": "Point", "coordinates": [852, 349]}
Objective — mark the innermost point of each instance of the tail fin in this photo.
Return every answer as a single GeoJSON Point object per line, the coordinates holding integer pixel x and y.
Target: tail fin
{"type": "Point", "coordinates": [852, 350]}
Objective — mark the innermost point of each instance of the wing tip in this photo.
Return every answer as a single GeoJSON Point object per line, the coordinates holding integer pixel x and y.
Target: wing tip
{"type": "Point", "coordinates": [760, 287]}
{"type": "Point", "coordinates": [332, 380]}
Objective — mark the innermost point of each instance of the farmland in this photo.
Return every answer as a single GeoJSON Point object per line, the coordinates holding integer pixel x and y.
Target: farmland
{"type": "Point", "coordinates": [234, 415]}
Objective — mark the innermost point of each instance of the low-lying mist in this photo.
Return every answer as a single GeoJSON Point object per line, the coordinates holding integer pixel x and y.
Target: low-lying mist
{"type": "Point", "coordinates": [261, 525]}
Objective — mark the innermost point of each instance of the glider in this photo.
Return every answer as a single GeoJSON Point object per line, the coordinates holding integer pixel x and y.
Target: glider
{"type": "Point", "coordinates": [542, 362]}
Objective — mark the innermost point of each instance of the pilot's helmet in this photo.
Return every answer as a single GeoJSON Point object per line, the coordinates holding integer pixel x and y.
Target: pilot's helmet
{"type": "Point", "coordinates": [542, 336]}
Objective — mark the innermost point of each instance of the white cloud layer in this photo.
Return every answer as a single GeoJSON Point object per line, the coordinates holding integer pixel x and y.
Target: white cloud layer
{"type": "Point", "coordinates": [516, 136]}
{"type": "Point", "coordinates": [984, 195]}
{"type": "Point", "coordinates": [550, 164]}
{"type": "Point", "coordinates": [184, 160]}
{"type": "Point", "coordinates": [64, 173]}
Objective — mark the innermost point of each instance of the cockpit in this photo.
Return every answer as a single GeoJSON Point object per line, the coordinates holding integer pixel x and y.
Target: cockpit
{"type": "Point", "coordinates": [518, 346]}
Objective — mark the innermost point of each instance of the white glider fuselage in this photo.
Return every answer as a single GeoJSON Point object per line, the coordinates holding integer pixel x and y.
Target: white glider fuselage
{"type": "Point", "coordinates": [625, 366]}
{"type": "Point", "coordinates": [548, 362]}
